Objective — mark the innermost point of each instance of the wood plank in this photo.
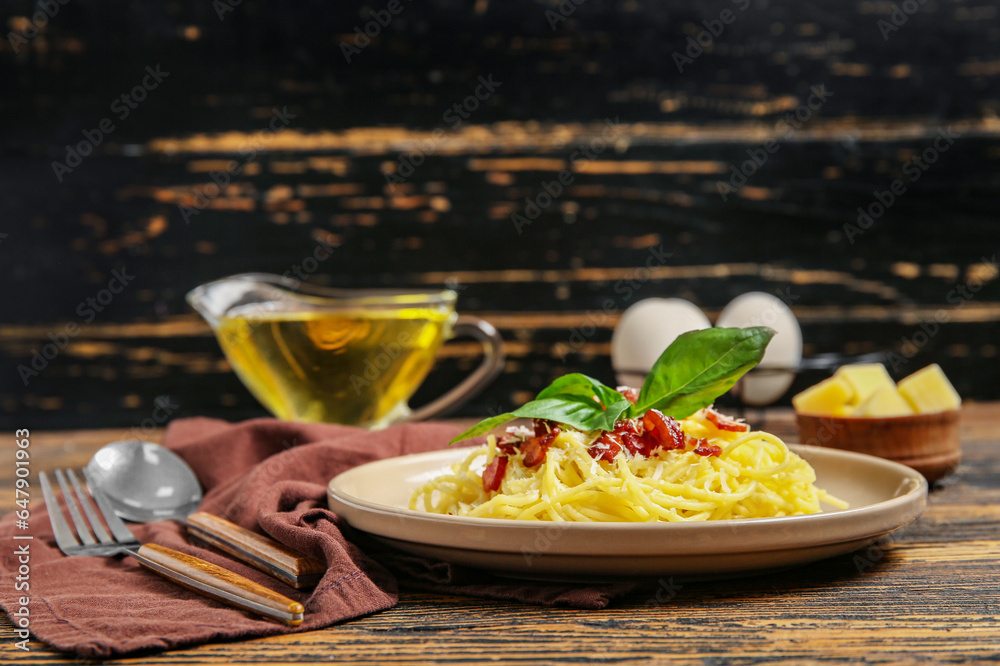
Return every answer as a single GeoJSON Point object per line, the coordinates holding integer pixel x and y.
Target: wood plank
{"type": "Point", "coordinates": [931, 594]}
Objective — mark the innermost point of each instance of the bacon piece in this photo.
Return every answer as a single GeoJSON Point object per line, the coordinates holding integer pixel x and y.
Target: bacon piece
{"type": "Point", "coordinates": [627, 425]}
{"type": "Point", "coordinates": [536, 447]}
{"type": "Point", "coordinates": [508, 444]}
{"type": "Point", "coordinates": [606, 447]}
{"type": "Point", "coordinates": [630, 437]}
{"type": "Point", "coordinates": [723, 422]}
{"type": "Point", "coordinates": [662, 432]}
{"type": "Point", "coordinates": [534, 451]}
{"type": "Point", "coordinates": [544, 427]}
{"type": "Point", "coordinates": [707, 449]}
{"type": "Point", "coordinates": [493, 474]}
{"type": "Point", "coordinates": [631, 394]}
{"type": "Point", "coordinates": [634, 443]}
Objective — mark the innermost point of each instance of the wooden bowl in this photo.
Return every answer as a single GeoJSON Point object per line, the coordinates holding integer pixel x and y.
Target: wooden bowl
{"type": "Point", "coordinates": [926, 442]}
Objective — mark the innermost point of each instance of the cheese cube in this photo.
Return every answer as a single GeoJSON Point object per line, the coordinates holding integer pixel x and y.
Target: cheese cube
{"type": "Point", "coordinates": [824, 398]}
{"type": "Point", "coordinates": [844, 410]}
{"type": "Point", "coordinates": [928, 390]}
{"type": "Point", "coordinates": [886, 401]}
{"type": "Point", "coordinates": [865, 379]}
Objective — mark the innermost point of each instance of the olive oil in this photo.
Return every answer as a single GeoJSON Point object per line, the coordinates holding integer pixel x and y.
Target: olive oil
{"type": "Point", "coordinates": [353, 367]}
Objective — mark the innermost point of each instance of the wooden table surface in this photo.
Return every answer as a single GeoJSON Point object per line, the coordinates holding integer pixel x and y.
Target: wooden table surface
{"type": "Point", "coordinates": [933, 595]}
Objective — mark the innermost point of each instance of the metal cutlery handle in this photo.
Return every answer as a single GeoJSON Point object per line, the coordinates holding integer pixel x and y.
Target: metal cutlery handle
{"type": "Point", "coordinates": [218, 583]}
{"type": "Point", "coordinates": [256, 550]}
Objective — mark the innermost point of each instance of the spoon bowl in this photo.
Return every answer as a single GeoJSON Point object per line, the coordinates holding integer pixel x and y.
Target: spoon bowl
{"type": "Point", "coordinates": [145, 481]}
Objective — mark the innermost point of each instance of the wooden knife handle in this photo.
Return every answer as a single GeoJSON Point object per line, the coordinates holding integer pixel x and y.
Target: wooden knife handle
{"type": "Point", "coordinates": [256, 550]}
{"type": "Point", "coordinates": [218, 583]}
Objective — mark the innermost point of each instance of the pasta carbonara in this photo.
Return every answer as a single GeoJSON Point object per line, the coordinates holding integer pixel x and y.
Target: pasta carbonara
{"type": "Point", "coordinates": [704, 467]}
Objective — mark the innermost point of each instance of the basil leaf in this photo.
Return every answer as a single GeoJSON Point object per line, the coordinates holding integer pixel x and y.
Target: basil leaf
{"type": "Point", "coordinates": [698, 367]}
{"type": "Point", "coordinates": [582, 413]}
{"type": "Point", "coordinates": [690, 374]}
{"type": "Point", "coordinates": [568, 400]}
{"type": "Point", "coordinates": [576, 384]}
{"type": "Point", "coordinates": [483, 427]}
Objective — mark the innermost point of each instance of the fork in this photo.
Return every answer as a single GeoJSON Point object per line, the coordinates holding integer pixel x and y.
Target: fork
{"type": "Point", "coordinates": [186, 570]}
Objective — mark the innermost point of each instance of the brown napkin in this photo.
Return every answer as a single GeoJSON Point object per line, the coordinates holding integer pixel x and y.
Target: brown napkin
{"type": "Point", "coordinates": [265, 475]}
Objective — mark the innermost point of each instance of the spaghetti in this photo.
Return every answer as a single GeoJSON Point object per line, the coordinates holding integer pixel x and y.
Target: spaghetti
{"type": "Point", "coordinates": [717, 472]}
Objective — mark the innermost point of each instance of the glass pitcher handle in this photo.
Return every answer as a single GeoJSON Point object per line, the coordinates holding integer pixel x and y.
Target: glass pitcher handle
{"type": "Point", "coordinates": [492, 364]}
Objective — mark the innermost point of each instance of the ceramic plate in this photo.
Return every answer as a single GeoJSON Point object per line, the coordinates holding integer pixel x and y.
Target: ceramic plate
{"type": "Point", "coordinates": [883, 496]}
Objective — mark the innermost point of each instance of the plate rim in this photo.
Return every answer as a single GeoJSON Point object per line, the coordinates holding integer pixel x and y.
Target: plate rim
{"type": "Point", "coordinates": [912, 503]}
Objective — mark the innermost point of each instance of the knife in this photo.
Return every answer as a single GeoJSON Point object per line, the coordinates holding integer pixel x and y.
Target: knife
{"type": "Point", "coordinates": [258, 551]}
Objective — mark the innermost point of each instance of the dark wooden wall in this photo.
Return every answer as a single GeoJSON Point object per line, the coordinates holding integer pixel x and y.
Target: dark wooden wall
{"type": "Point", "coordinates": [323, 177]}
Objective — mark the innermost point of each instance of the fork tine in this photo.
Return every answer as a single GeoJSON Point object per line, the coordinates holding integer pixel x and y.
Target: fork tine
{"type": "Point", "coordinates": [88, 509]}
{"type": "Point", "coordinates": [198, 575]}
{"type": "Point", "coordinates": [118, 529]}
{"type": "Point", "coordinates": [82, 530]}
{"type": "Point", "coordinates": [60, 528]}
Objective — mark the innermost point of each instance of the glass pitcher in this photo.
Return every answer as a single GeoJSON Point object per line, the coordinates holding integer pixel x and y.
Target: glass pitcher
{"type": "Point", "coordinates": [345, 356]}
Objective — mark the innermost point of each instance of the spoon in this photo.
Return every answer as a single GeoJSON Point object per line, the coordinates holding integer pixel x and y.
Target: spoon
{"type": "Point", "coordinates": [146, 482]}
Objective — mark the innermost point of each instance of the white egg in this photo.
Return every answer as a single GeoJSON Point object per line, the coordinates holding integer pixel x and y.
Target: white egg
{"type": "Point", "coordinates": [769, 381]}
{"type": "Point", "coordinates": [645, 330]}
